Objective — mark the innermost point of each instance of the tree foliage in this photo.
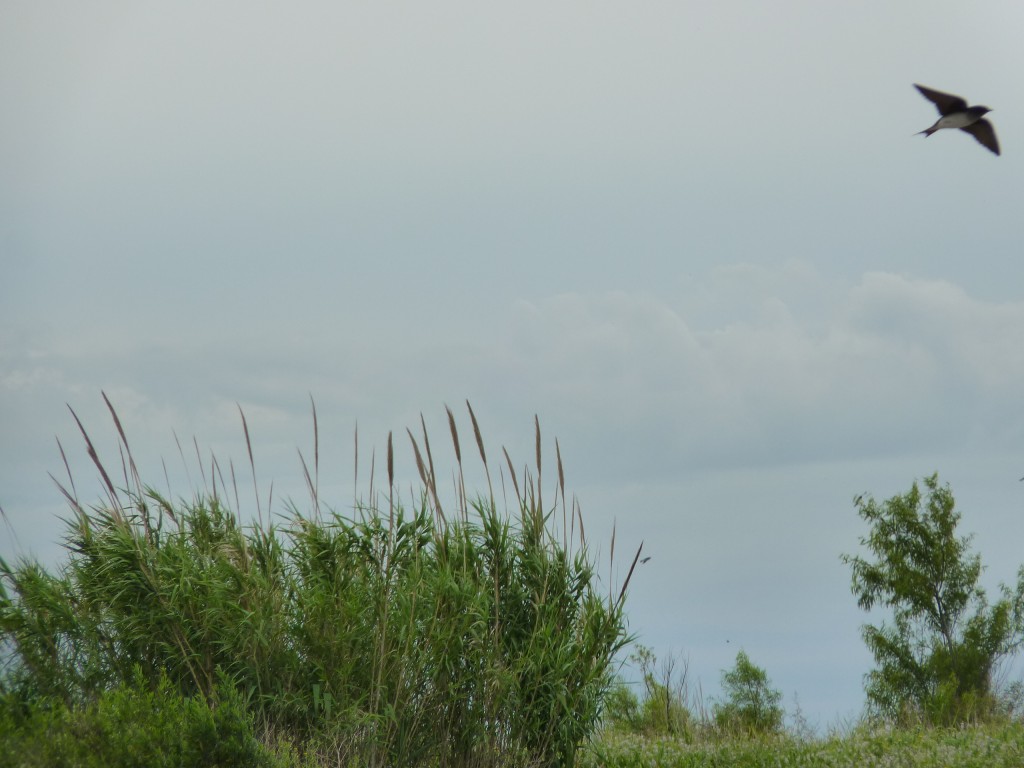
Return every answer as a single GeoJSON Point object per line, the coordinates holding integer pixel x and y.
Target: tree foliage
{"type": "Point", "coordinates": [750, 704]}
{"type": "Point", "coordinates": [664, 706]}
{"type": "Point", "coordinates": [937, 658]}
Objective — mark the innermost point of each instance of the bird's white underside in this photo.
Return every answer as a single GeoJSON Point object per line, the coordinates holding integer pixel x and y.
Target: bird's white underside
{"type": "Point", "coordinates": [958, 120]}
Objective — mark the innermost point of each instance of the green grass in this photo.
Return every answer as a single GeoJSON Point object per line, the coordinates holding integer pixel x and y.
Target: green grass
{"type": "Point", "coordinates": [980, 746]}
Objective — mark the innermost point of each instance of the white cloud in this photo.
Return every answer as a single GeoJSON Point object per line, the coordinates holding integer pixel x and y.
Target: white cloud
{"type": "Point", "coordinates": [745, 366]}
{"type": "Point", "coordinates": [893, 364]}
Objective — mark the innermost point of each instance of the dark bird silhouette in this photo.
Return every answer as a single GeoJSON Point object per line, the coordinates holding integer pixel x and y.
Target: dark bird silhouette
{"type": "Point", "coordinates": [954, 113]}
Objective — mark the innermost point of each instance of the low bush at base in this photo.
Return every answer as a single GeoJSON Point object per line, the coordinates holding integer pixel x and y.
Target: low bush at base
{"type": "Point", "coordinates": [130, 726]}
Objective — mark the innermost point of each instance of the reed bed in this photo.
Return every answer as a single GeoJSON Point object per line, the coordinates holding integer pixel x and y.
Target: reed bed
{"type": "Point", "coordinates": [439, 631]}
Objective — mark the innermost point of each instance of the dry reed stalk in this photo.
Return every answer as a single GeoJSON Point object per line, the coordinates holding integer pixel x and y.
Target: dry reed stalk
{"type": "Point", "coordinates": [373, 469]}
{"type": "Point", "coordinates": [611, 555]}
{"type": "Point", "coordinates": [115, 505]}
{"type": "Point", "coordinates": [515, 483]}
{"type": "Point", "coordinates": [136, 480]}
{"type": "Point", "coordinates": [134, 499]}
{"type": "Point", "coordinates": [432, 485]}
{"type": "Point", "coordinates": [629, 575]}
{"type": "Point", "coordinates": [214, 472]}
{"type": "Point", "coordinates": [252, 464]}
{"type": "Point", "coordinates": [215, 468]}
{"type": "Point", "coordinates": [313, 482]}
{"type": "Point", "coordinates": [561, 473]}
{"type": "Point", "coordinates": [316, 458]}
{"type": "Point", "coordinates": [309, 480]}
{"type": "Point", "coordinates": [188, 475]}
{"type": "Point", "coordinates": [238, 512]}
{"type": "Point", "coordinates": [167, 479]}
{"type": "Point", "coordinates": [540, 502]}
{"type": "Point", "coordinates": [72, 498]}
{"type": "Point", "coordinates": [199, 462]}
{"type": "Point", "coordinates": [530, 495]}
{"type": "Point", "coordinates": [390, 480]}
{"type": "Point", "coordinates": [10, 529]}
{"type": "Point", "coordinates": [419, 459]}
{"type": "Point", "coordinates": [234, 484]}
{"type": "Point", "coordinates": [483, 454]}
{"type": "Point", "coordinates": [455, 435]}
{"type": "Point", "coordinates": [561, 489]}
{"type": "Point", "coordinates": [391, 462]}
{"type": "Point", "coordinates": [460, 479]}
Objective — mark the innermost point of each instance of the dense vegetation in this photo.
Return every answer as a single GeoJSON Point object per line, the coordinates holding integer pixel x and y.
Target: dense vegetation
{"type": "Point", "coordinates": [133, 724]}
{"type": "Point", "coordinates": [669, 726]}
{"type": "Point", "coordinates": [388, 637]}
{"type": "Point", "coordinates": [449, 633]}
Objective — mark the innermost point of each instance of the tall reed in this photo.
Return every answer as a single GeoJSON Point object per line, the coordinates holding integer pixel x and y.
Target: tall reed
{"type": "Point", "coordinates": [397, 634]}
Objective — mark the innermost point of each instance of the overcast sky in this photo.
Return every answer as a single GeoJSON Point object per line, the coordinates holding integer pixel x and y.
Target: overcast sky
{"type": "Point", "coordinates": [699, 240]}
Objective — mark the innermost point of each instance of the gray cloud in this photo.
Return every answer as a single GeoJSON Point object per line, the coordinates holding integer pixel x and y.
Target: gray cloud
{"type": "Point", "coordinates": [787, 381]}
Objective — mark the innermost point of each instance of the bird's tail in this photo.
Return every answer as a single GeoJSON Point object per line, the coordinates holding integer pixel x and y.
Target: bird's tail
{"type": "Point", "coordinates": [927, 132]}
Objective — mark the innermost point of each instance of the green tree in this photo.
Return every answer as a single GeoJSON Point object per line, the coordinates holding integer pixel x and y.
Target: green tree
{"type": "Point", "coordinates": [935, 661]}
{"type": "Point", "coordinates": [750, 705]}
{"type": "Point", "coordinates": [663, 708]}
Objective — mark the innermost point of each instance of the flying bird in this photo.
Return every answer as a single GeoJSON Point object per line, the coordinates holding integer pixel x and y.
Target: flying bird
{"type": "Point", "coordinates": [956, 114]}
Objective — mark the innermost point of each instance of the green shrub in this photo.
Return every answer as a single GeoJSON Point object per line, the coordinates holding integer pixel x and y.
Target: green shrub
{"type": "Point", "coordinates": [663, 708]}
{"type": "Point", "coordinates": [621, 707]}
{"type": "Point", "coordinates": [131, 726]}
{"type": "Point", "coordinates": [750, 705]}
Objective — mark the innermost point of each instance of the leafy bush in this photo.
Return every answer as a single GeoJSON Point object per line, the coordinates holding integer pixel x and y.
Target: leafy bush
{"type": "Point", "coordinates": [664, 706]}
{"type": "Point", "coordinates": [750, 705]}
{"type": "Point", "coordinates": [132, 725]}
{"type": "Point", "coordinates": [621, 707]}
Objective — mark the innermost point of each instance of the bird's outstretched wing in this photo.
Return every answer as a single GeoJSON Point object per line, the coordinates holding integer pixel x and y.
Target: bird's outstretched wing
{"type": "Point", "coordinates": [945, 102]}
{"type": "Point", "coordinates": [983, 131]}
